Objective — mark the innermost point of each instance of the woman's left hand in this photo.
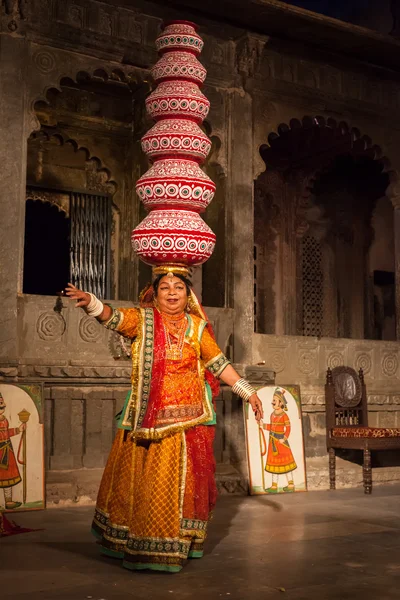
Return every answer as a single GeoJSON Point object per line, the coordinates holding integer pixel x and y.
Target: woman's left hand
{"type": "Point", "coordinates": [256, 405]}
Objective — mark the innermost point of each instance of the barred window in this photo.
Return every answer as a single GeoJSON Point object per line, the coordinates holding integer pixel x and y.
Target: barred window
{"type": "Point", "coordinates": [67, 238]}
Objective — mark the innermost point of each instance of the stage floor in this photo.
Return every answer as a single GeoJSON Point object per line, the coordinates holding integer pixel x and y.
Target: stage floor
{"type": "Point", "coordinates": [311, 546]}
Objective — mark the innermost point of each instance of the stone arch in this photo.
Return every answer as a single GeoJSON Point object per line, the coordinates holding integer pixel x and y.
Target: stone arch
{"type": "Point", "coordinates": [50, 66]}
{"type": "Point", "coordinates": [298, 153]}
{"type": "Point", "coordinates": [95, 165]}
{"type": "Point", "coordinates": [344, 136]}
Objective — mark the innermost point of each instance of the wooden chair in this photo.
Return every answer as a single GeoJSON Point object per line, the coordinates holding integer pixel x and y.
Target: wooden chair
{"type": "Point", "coordinates": [347, 422]}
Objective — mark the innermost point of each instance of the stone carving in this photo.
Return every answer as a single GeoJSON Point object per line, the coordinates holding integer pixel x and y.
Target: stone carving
{"type": "Point", "coordinates": [89, 330]}
{"type": "Point", "coordinates": [316, 399]}
{"type": "Point", "coordinates": [249, 49]}
{"type": "Point", "coordinates": [307, 360]}
{"type": "Point", "coordinates": [378, 399]}
{"type": "Point", "coordinates": [76, 16]}
{"type": "Point", "coordinates": [217, 54]}
{"type": "Point", "coordinates": [260, 375]}
{"type": "Point", "coordinates": [364, 362]}
{"type": "Point", "coordinates": [53, 198]}
{"type": "Point", "coordinates": [50, 326]}
{"type": "Point", "coordinates": [97, 180]}
{"type": "Point", "coordinates": [72, 372]}
{"type": "Point", "coordinates": [44, 61]}
{"type": "Point", "coordinates": [105, 23]}
{"type": "Point", "coordinates": [129, 28]}
{"type": "Point", "coordinates": [277, 361]}
{"type": "Point", "coordinates": [335, 359]}
{"type": "Point", "coordinates": [390, 364]}
{"type": "Point", "coordinates": [32, 124]}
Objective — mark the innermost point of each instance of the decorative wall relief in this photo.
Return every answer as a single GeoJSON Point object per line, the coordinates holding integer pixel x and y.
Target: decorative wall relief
{"type": "Point", "coordinates": [390, 365]}
{"type": "Point", "coordinates": [364, 362]}
{"type": "Point", "coordinates": [308, 360]}
{"type": "Point", "coordinates": [275, 447]}
{"type": "Point", "coordinates": [249, 49]}
{"type": "Point", "coordinates": [45, 61]}
{"type": "Point", "coordinates": [21, 447]}
{"type": "Point", "coordinates": [90, 330]}
{"type": "Point", "coordinates": [335, 359]}
{"type": "Point", "coordinates": [50, 326]}
{"type": "Point", "coordinates": [277, 361]}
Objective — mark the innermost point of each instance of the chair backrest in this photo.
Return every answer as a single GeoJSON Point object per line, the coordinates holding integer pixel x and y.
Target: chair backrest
{"type": "Point", "coordinates": [345, 398]}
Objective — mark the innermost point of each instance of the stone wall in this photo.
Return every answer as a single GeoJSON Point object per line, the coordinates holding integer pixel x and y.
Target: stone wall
{"type": "Point", "coordinates": [303, 361]}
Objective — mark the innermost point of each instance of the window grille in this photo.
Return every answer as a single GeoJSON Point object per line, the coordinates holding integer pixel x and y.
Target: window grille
{"type": "Point", "coordinates": [312, 287]}
{"type": "Point", "coordinates": [90, 242]}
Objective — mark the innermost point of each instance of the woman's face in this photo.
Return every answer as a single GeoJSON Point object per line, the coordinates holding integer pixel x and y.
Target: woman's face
{"type": "Point", "coordinates": [171, 295]}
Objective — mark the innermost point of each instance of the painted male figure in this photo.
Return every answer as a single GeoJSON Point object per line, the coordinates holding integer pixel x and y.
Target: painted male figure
{"type": "Point", "coordinates": [9, 472]}
{"type": "Point", "coordinates": [280, 460]}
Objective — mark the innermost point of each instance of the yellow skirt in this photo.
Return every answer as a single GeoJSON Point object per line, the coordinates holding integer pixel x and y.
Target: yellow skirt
{"type": "Point", "coordinates": [155, 499]}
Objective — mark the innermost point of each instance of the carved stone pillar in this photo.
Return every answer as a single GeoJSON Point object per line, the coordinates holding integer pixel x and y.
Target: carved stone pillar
{"type": "Point", "coordinates": [13, 150]}
{"type": "Point", "coordinates": [357, 298]}
{"type": "Point", "coordinates": [396, 221]}
{"type": "Point", "coordinates": [240, 194]}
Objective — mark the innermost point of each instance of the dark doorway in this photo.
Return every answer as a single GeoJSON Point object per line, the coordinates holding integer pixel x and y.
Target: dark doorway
{"type": "Point", "coordinates": [46, 252]}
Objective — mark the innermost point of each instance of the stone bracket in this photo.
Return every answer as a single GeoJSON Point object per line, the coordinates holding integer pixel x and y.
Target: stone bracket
{"type": "Point", "coordinates": [249, 49]}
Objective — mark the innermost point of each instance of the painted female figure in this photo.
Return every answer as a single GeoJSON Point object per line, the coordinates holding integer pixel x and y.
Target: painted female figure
{"type": "Point", "coordinates": [158, 487]}
{"type": "Point", "coordinates": [280, 460]}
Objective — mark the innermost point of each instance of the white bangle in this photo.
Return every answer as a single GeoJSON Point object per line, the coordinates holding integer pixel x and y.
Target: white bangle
{"type": "Point", "coordinates": [95, 306]}
{"type": "Point", "coordinates": [243, 389]}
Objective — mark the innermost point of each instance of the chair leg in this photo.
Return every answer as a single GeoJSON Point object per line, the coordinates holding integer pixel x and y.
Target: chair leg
{"type": "Point", "coordinates": [367, 471]}
{"type": "Point", "coordinates": [332, 469]}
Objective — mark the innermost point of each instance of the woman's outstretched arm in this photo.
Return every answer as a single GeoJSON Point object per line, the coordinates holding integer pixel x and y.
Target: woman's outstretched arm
{"type": "Point", "coordinates": [83, 300]}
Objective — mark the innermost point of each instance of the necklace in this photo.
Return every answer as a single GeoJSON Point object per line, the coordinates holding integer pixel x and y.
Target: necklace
{"type": "Point", "coordinates": [176, 327]}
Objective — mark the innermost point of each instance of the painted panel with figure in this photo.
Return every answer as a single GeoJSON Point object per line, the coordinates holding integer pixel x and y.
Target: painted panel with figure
{"type": "Point", "coordinates": [21, 447]}
{"type": "Point", "coordinates": [275, 447]}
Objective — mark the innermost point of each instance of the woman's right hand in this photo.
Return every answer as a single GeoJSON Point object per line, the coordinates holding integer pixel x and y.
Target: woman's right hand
{"type": "Point", "coordinates": [82, 298]}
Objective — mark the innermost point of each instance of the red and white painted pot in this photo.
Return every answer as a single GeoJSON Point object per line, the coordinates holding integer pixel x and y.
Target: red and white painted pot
{"type": "Point", "coordinates": [175, 189]}
{"type": "Point", "coordinates": [173, 236]}
{"type": "Point", "coordinates": [179, 35]}
{"type": "Point", "coordinates": [175, 183]}
{"type": "Point", "coordinates": [179, 65]}
{"type": "Point", "coordinates": [178, 99]}
{"type": "Point", "coordinates": [176, 138]}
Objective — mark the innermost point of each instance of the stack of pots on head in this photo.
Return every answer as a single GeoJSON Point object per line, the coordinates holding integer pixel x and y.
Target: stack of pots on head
{"type": "Point", "coordinates": [175, 189]}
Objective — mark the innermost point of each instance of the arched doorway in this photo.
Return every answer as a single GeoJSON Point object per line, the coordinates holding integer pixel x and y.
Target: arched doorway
{"type": "Point", "coordinates": [320, 215]}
